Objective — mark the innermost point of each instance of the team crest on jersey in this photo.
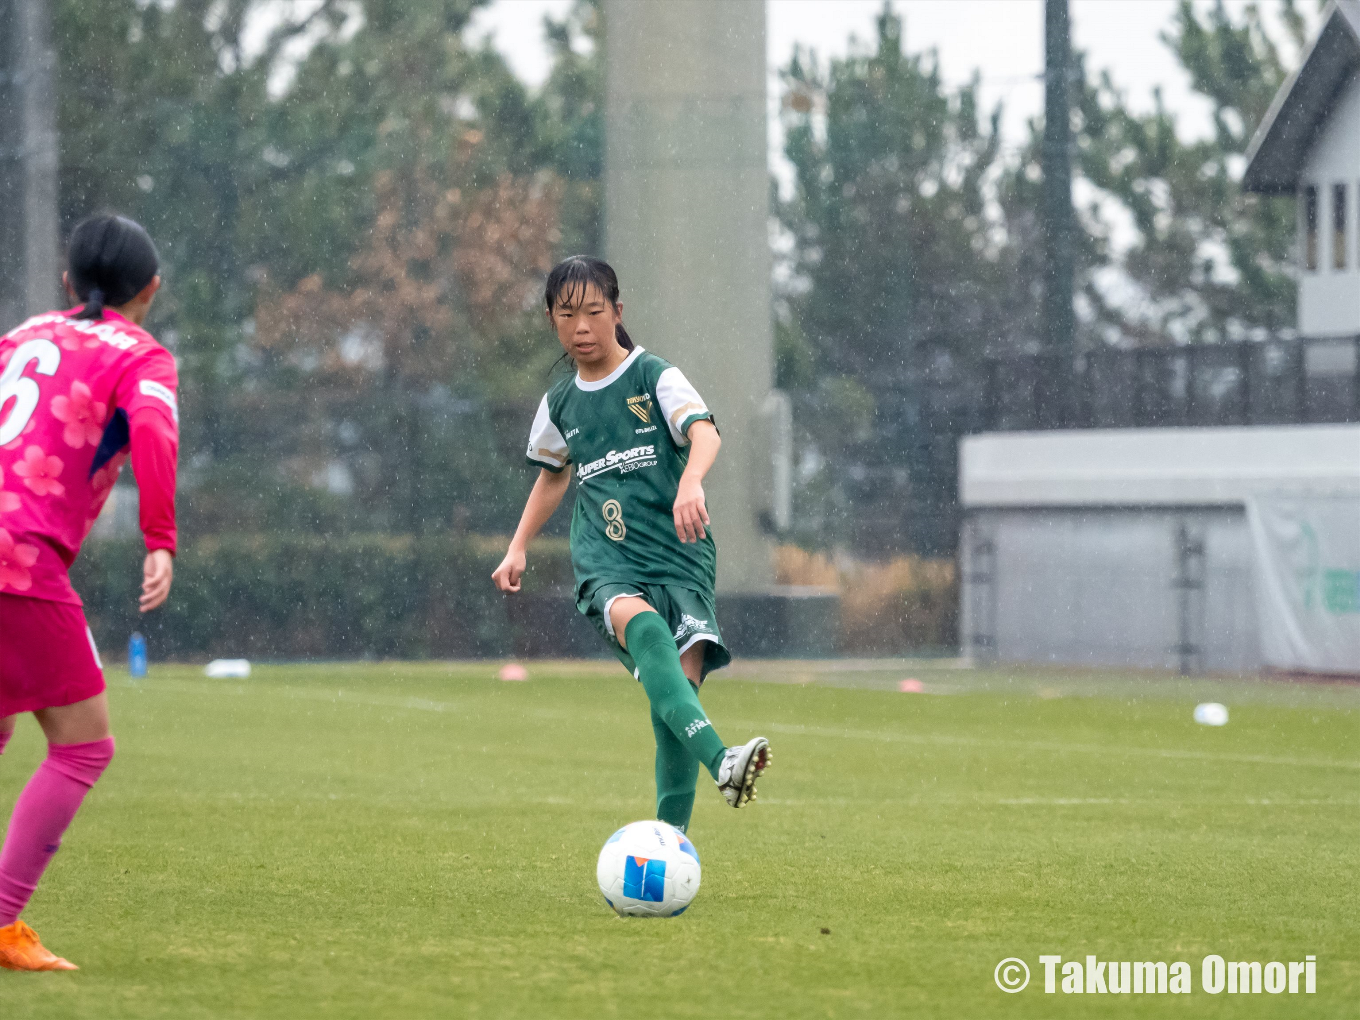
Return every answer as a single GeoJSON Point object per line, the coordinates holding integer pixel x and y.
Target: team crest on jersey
{"type": "Point", "coordinates": [642, 407]}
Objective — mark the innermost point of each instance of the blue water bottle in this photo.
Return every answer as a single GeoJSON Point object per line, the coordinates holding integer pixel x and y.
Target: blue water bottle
{"type": "Point", "coordinates": [137, 655]}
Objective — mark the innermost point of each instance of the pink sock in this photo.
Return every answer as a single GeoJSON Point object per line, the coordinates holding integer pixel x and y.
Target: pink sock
{"type": "Point", "coordinates": [41, 814]}
{"type": "Point", "coordinates": [4, 739]}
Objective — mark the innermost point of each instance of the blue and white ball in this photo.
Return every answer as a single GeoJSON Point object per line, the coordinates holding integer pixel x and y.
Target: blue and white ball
{"type": "Point", "coordinates": [648, 869]}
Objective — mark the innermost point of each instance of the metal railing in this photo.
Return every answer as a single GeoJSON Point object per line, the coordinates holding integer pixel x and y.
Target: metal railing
{"type": "Point", "coordinates": [1274, 382]}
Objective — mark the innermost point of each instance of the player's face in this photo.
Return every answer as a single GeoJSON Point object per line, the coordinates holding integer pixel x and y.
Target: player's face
{"type": "Point", "coordinates": [585, 324]}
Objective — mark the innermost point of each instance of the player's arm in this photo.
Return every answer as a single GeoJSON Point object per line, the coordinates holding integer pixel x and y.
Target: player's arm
{"type": "Point", "coordinates": [549, 453]}
{"type": "Point", "coordinates": [691, 513]}
{"type": "Point", "coordinates": [148, 394]}
{"type": "Point", "coordinates": [690, 423]}
{"type": "Point", "coordinates": [543, 501]}
{"type": "Point", "coordinates": [155, 450]}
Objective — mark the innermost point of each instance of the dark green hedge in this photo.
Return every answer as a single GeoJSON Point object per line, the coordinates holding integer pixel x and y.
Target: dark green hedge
{"type": "Point", "coordinates": [370, 596]}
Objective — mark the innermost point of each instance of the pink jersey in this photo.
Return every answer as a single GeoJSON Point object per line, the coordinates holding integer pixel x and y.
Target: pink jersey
{"type": "Point", "coordinates": [69, 391]}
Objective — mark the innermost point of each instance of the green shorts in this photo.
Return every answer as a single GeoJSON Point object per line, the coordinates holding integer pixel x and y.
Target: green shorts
{"type": "Point", "coordinates": [691, 616]}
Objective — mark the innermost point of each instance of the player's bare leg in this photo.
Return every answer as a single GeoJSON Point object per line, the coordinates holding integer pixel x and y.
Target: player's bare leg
{"type": "Point", "coordinates": [80, 723]}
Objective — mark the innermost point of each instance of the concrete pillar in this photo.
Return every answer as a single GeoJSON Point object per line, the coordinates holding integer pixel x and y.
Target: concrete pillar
{"type": "Point", "coordinates": [30, 259]}
{"type": "Point", "coordinates": [686, 228]}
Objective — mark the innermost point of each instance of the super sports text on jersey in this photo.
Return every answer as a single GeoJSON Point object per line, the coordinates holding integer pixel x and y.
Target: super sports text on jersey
{"type": "Point", "coordinates": [628, 437]}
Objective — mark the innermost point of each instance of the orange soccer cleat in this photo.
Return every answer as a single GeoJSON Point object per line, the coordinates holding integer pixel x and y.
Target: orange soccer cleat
{"type": "Point", "coordinates": [21, 950]}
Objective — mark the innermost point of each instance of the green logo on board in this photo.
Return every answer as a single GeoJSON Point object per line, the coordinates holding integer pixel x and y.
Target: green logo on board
{"type": "Point", "coordinates": [1341, 591]}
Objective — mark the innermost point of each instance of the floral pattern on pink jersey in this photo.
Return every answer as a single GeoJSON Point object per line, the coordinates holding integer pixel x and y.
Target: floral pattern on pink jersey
{"type": "Point", "coordinates": [8, 500]}
{"type": "Point", "coordinates": [19, 439]}
{"type": "Point", "coordinates": [82, 415]}
{"type": "Point", "coordinates": [74, 341]}
{"type": "Point", "coordinates": [15, 559]}
{"type": "Point", "coordinates": [40, 472]}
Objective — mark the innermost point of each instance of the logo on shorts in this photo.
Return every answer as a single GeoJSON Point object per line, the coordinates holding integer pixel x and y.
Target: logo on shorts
{"type": "Point", "coordinates": [691, 625]}
{"type": "Point", "coordinates": [642, 407]}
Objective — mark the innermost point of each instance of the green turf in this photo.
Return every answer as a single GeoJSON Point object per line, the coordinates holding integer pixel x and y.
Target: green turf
{"type": "Point", "coordinates": [411, 841]}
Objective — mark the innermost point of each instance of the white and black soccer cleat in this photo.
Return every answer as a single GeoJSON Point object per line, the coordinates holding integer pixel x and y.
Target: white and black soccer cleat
{"type": "Point", "coordinates": [741, 767]}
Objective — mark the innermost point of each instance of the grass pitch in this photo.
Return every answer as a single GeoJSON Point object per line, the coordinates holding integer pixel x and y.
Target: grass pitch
{"type": "Point", "coordinates": [419, 840]}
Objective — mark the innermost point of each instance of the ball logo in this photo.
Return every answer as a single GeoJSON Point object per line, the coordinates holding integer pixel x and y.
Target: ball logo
{"type": "Point", "coordinates": [644, 879]}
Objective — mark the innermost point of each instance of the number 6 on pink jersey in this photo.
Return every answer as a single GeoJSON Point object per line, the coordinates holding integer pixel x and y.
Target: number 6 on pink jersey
{"type": "Point", "coordinates": [24, 391]}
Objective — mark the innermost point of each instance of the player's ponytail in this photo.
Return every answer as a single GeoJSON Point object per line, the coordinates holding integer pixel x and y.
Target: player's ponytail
{"type": "Point", "coordinates": [110, 260]}
{"type": "Point", "coordinates": [94, 305]}
{"type": "Point", "coordinates": [569, 279]}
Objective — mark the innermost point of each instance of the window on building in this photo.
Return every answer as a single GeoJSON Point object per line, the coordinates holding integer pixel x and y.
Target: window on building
{"type": "Point", "coordinates": [1310, 227]}
{"type": "Point", "coordinates": [1338, 226]}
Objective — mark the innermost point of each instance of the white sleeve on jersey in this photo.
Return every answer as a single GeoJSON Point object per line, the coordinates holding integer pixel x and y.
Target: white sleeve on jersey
{"type": "Point", "coordinates": [680, 403]}
{"type": "Point", "coordinates": [546, 445]}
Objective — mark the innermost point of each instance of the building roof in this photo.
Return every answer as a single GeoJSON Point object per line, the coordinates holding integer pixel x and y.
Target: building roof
{"type": "Point", "coordinates": [1157, 467]}
{"type": "Point", "coordinates": [1280, 145]}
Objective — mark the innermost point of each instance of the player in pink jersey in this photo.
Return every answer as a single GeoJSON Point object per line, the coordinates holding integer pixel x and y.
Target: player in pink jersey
{"type": "Point", "coordinates": [80, 390]}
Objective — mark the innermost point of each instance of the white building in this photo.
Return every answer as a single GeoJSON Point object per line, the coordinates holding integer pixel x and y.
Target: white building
{"type": "Point", "coordinates": [1203, 548]}
{"type": "Point", "coordinates": [1309, 145]}
{"type": "Point", "coordinates": [1164, 548]}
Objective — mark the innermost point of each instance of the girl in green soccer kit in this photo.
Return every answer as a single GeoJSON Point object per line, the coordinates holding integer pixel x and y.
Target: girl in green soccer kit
{"type": "Point", "coordinates": [639, 439]}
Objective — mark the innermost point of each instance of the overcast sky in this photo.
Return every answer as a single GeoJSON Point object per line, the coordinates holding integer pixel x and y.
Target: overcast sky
{"type": "Point", "coordinates": [1003, 39]}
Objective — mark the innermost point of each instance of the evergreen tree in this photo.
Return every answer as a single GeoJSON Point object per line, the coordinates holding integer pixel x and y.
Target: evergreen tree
{"type": "Point", "coordinates": [1212, 262]}
{"type": "Point", "coordinates": [897, 277]}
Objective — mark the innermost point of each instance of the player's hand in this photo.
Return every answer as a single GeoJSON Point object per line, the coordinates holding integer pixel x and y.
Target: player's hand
{"type": "Point", "coordinates": [507, 575]}
{"type": "Point", "coordinates": [158, 570]}
{"type": "Point", "coordinates": [691, 513]}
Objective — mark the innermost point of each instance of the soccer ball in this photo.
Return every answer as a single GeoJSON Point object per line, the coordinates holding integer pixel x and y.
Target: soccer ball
{"type": "Point", "coordinates": [648, 869]}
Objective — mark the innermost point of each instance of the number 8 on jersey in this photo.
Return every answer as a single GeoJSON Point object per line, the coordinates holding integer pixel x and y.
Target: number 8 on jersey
{"type": "Point", "coordinates": [613, 515]}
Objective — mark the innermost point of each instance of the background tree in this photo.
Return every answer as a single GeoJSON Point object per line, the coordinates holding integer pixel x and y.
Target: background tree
{"type": "Point", "coordinates": [354, 214]}
{"type": "Point", "coordinates": [897, 276]}
{"type": "Point", "coordinates": [1210, 262]}
{"type": "Point", "coordinates": [911, 255]}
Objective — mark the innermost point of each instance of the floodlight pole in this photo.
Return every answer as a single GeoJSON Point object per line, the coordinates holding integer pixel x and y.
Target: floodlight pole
{"type": "Point", "coordinates": [29, 246]}
{"type": "Point", "coordinates": [1059, 325]}
{"type": "Point", "coordinates": [687, 227]}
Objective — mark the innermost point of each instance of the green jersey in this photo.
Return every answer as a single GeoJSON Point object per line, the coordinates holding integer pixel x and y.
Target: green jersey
{"type": "Point", "coordinates": [627, 438]}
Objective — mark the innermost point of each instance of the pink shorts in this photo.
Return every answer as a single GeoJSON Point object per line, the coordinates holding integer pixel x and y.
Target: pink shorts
{"type": "Point", "coordinates": [47, 655]}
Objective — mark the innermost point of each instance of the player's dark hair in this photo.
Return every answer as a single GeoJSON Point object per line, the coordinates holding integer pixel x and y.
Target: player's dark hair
{"type": "Point", "coordinates": [569, 279]}
{"type": "Point", "coordinates": [109, 260]}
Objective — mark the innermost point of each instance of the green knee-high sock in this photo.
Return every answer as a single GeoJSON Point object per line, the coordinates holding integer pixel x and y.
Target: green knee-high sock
{"type": "Point", "coordinates": [672, 696]}
{"type": "Point", "coordinates": [676, 774]}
